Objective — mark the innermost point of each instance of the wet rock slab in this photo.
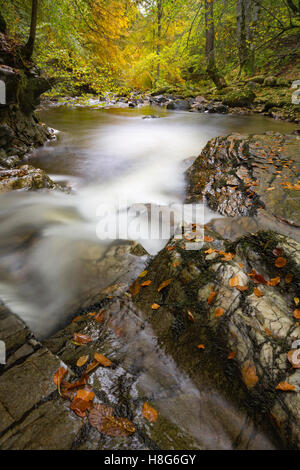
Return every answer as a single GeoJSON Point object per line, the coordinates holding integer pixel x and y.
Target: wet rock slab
{"type": "Point", "coordinates": [32, 415]}
{"type": "Point", "coordinates": [248, 175]}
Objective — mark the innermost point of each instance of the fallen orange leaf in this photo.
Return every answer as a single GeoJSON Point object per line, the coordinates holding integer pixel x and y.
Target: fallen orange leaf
{"type": "Point", "coordinates": [104, 361]}
{"type": "Point", "coordinates": [82, 360]}
{"type": "Point", "coordinates": [249, 374]}
{"type": "Point", "coordinates": [241, 288]}
{"type": "Point", "coordinates": [191, 316]}
{"type": "Point", "coordinates": [273, 282]}
{"type": "Point", "coordinates": [208, 239]}
{"type": "Point", "coordinates": [231, 355]}
{"type": "Point", "coordinates": [135, 288]}
{"type": "Point", "coordinates": [284, 386]}
{"type": "Point", "coordinates": [296, 313]}
{"type": "Point", "coordinates": [150, 413]}
{"type": "Point", "coordinates": [280, 262]}
{"type": "Point", "coordinates": [146, 283]}
{"type": "Point", "coordinates": [257, 292]}
{"type": "Point", "coordinates": [81, 339]}
{"type": "Point", "coordinates": [201, 346]}
{"type": "Point", "coordinates": [211, 297]}
{"type": "Point", "coordinates": [58, 376]}
{"type": "Point", "coordinates": [155, 306]}
{"type": "Point", "coordinates": [86, 395]}
{"type": "Point", "coordinates": [143, 274]}
{"type": "Point", "coordinates": [234, 281]}
{"type": "Point", "coordinates": [219, 312]}
{"type": "Point", "coordinates": [164, 284]}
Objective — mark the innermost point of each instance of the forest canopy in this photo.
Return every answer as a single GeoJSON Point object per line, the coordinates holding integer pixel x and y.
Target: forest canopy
{"type": "Point", "coordinates": [101, 46]}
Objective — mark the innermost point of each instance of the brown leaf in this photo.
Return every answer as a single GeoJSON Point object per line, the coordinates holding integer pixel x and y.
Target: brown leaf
{"type": "Point", "coordinates": [86, 395]}
{"type": "Point", "coordinates": [164, 284]}
{"type": "Point", "coordinates": [234, 281]}
{"type": "Point", "coordinates": [285, 387]}
{"type": "Point", "coordinates": [80, 406]}
{"type": "Point", "coordinates": [249, 374]}
{"type": "Point", "coordinates": [211, 297]}
{"type": "Point", "coordinates": [100, 316]}
{"type": "Point", "coordinates": [241, 288]}
{"type": "Point", "coordinates": [294, 358]}
{"type": "Point", "coordinates": [143, 274]}
{"type": "Point", "coordinates": [58, 376]}
{"type": "Point", "coordinates": [102, 418]}
{"type": "Point", "coordinates": [146, 283]}
{"type": "Point", "coordinates": [150, 413]}
{"type": "Point", "coordinates": [102, 360]}
{"type": "Point", "coordinates": [93, 365]}
{"type": "Point", "coordinates": [257, 278]}
{"type": "Point", "coordinates": [81, 339]}
{"type": "Point", "coordinates": [155, 306]}
{"type": "Point", "coordinates": [257, 292]}
{"type": "Point", "coordinates": [277, 252]}
{"type": "Point", "coordinates": [79, 383]}
{"type": "Point", "coordinates": [190, 316]}
{"type": "Point", "coordinates": [82, 360]}
{"type": "Point", "coordinates": [280, 262]}
{"type": "Point", "coordinates": [231, 355]}
{"type": "Point", "coordinates": [219, 312]}
{"type": "Point", "coordinates": [208, 239]}
{"type": "Point", "coordinates": [135, 288]}
{"type": "Point", "coordinates": [296, 313]}
{"type": "Point", "coordinates": [228, 256]}
{"type": "Point", "coordinates": [288, 278]}
{"type": "Point", "coordinates": [274, 282]}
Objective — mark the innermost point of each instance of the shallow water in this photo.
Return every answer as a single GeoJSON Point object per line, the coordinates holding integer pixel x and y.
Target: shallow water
{"type": "Point", "coordinates": [49, 241]}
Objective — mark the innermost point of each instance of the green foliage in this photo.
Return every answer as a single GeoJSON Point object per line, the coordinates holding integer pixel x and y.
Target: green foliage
{"type": "Point", "coordinates": [105, 46]}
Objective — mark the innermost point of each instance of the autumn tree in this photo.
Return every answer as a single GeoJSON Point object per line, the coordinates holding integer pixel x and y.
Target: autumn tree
{"type": "Point", "coordinates": [28, 48]}
{"type": "Point", "coordinates": [212, 70]}
{"type": "Point", "coordinates": [247, 16]}
{"type": "Point", "coordinates": [2, 24]}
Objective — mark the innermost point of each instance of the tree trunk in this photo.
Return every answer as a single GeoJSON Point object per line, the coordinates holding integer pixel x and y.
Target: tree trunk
{"type": "Point", "coordinates": [2, 24]}
{"type": "Point", "coordinates": [28, 48]}
{"type": "Point", "coordinates": [210, 46]}
{"type": "Point", "coordinates": [158, 48]}
{"type": "Point", "coordinates": [294, 7]}
{"type": "Point", "coordinates": [247, 17]}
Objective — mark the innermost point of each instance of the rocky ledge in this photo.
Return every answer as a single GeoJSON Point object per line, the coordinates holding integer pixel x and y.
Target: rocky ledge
{"type": "Point", "coordinates": [20, 129]}
{"type": "Point", "coordinates": [207, 336]}
{"type": "Point", "coordinates": [249, 175]}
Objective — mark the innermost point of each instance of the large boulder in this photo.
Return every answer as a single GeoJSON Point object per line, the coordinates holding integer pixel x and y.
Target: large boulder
{"type": "Point", "coordinates": [239, 97]}
{"type": "Point", "coordinates": [249, 175]}
{"type": "Point", "coordinates": [25, 177]}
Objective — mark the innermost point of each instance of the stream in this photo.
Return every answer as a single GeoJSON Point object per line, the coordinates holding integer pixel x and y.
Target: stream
{"type": "Point", "coordinates": [53, 262]}
{"type": "Point", "coordinates": [107, 156]}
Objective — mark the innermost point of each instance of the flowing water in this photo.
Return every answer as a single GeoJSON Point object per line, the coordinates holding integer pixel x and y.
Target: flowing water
{"type": "Point", "coordinates": [53, 262]}
{"type": "Point", "coordinates": [109, 157]}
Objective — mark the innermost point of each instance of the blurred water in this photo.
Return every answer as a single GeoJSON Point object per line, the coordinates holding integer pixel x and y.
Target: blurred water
{"type": "Point", "coordinates": [51, 258]}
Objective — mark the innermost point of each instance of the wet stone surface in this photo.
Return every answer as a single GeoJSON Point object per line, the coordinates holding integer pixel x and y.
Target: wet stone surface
{"type": "Point", "coordinates": [245, 175]}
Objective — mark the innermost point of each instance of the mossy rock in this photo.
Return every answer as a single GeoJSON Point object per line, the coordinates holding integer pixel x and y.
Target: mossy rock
{"type": "Point", "coordinates": [270, 81]}
{"type": "Point", "coordinates": [239, 97]}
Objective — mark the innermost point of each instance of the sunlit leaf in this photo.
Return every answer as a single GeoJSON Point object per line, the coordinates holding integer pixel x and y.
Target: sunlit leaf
{"type": "Point", "coordinates": [164, 284]}
{"type": "Point", "coordinates": [104, 361]}
{"type": "Point", "coordinates": [82, 360]}
{"type": "Point", "coordinates": [150, 413]}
